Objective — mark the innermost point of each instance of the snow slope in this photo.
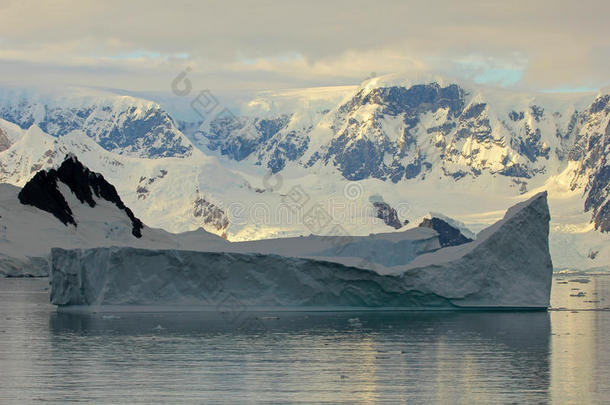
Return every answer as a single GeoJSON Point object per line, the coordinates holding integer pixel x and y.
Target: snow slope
{"type": "Point", "coordinates": [27, 232]}
{"type": "Point", "coordinates": [165, 191]}
{"type": "Point", "coordinates": [508, 266]}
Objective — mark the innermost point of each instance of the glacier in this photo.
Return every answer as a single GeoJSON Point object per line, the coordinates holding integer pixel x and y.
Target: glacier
{"type": "Point", "coordinates": [508, 266]}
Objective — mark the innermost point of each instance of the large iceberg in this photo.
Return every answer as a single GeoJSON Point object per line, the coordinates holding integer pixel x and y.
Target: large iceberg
{"type": "Point", "coordinates": [507, 266]}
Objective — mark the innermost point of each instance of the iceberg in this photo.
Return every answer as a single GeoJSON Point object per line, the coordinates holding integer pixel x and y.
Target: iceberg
{"type": "Point", "coordinates": [23, 267]}
{"type": "Point", "coordinates": [508, 266]}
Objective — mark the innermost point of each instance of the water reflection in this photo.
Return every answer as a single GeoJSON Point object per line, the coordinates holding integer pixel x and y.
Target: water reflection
{"type": "Point", "coordinates": [366, 357]}
{"type": "Point", "coordinates": [579, 341]}
{"type": "Point", "coordinates": [445, 357]}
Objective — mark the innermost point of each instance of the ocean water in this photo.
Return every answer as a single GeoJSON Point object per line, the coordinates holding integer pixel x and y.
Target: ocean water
{"type": "Point", "coordinates": [559, 356]}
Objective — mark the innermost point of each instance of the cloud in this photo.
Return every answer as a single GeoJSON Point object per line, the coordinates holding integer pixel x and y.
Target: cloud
{"type": "Point", "coordinates": [270, 44]}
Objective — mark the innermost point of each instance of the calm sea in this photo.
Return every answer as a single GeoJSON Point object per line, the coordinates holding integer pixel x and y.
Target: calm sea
{"type": "Point", "coordinates": [559, 356]}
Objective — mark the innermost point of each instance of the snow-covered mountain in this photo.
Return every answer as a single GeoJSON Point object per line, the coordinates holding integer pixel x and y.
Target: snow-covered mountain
{"type": "Point", "coordinates": [376, 158]}
{"type": "Point", "coordinates": [122, 124]}
{"type": "Point", "coordinates": [393, 130]}
{"type": "Point", "coordinates": [44, 192]}
{"type": "Point", "coordinates": [592, 153]}
{"type": "Point", "coordinates": [175, 193]}
{"type": "Point", "coordinates": [73, 207]}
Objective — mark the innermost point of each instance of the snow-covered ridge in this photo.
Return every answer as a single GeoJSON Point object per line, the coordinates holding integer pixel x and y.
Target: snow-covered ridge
{"type": "Point", "coordinates": [394, 116]}
{"type": "Point", "coordinates": [119, 123]}
{"type": "Point", "coordinates": [423, 127]}
{"type": "Point", "coordinates": [167, 192]}
{"type": "Point", "coordinates": [508, 266]}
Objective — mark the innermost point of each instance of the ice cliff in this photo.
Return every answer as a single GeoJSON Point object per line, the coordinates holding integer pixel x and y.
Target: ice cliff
{"type": "Point", "coordinates": [507, 266]}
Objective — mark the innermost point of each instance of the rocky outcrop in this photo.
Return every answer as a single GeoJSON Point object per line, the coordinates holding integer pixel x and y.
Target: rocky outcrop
{"type": "Point", "coordinates": [447, 234]}
{"type": "Point", "coordinates": [42, 192]}
{"type": "Point", "coordinates": [206, 213]}
{"type": "Point", "coordinates": [388, 215]}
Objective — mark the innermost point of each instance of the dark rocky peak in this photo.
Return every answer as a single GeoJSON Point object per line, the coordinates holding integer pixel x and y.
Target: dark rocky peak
{"type": "Point", "coordinates": [447, 234]}
{"type": "Point", "coordinates": [416, 99]}
{"type": "Point", "coordinates": [601, 103]}
{"type": "Point", "coordinates": [42, 192]}
{"type": "Point", "coordinates": [386, 212]}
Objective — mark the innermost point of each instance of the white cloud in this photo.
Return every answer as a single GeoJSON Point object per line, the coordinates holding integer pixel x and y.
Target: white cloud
{"type": "Point", "coordinates": [272, 44]}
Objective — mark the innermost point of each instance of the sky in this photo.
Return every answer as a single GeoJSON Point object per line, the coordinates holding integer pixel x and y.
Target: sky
{"type": "Point", "coordinates": [266, 45]}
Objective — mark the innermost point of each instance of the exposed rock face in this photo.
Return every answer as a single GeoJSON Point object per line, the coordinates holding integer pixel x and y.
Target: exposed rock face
{"type": "Point", "coordinates": [508, 266]}
{"type": "Point", "coordinates": [361, 146]}
{"type": "Point", "coordinates": [592, 150]}
{"type": "Point", "coordinates": [145, 182]}
{"type": "Point", "coordinates": [437, 125]}
{"type": "Point", "coordinates": [395, 133]}
{"type": "Point", "coordinates": [42, 192]}
{"type": "Point", "coordinates": [388, 215]}
{"type": "Point", "coordinates": [5, 143]}
{"type": "Point", "coordinates": [269, 141]}
{"type": "Point", "coordinates": [447, 235]}
{"type": "Point", "coordinates": [209, 214]}
{"type": "Point", "coordinates": [136, 128]}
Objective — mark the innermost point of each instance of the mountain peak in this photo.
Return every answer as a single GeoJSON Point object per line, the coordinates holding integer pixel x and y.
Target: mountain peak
{"type": "Point", "coordinates": [42, 191]}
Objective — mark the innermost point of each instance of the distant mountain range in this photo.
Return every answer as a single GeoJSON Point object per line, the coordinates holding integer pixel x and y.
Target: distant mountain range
{"type": "Point", "coordinates": [410, 146]}
{"type": "Point", "coordinates": [121, 124]}
{"type": "Point", "coordinates": [393, 132]}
